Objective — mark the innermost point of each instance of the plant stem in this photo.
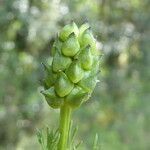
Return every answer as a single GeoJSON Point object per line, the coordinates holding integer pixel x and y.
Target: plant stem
{"type": "Point", "coordinates": [65, 116]}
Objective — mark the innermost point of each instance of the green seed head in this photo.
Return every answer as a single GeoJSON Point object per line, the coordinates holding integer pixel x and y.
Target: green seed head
{"type": "Point", "coordinates": [72, 76]}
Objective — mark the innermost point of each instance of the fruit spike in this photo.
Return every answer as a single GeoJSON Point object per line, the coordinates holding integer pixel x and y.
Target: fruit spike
{"type": "Point", "coordinates": [73, 74]}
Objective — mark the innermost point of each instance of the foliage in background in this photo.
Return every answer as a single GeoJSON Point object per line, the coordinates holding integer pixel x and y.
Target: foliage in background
{"type": "Point", "coordinates": [120, 110]}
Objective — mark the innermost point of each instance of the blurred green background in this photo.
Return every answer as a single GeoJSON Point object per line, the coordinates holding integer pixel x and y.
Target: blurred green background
{"type": "Point", "coordinates": [119, 110]}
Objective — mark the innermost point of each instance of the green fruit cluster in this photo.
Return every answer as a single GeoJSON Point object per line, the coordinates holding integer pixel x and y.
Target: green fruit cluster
{"type": "Point", "coordinates": [73, 73]}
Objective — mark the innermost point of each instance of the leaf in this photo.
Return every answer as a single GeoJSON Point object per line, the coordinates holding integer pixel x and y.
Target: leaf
{"type": "Point", "coordinates": [72, 134]}
{"type": "Point", "coordinates": [48, 139]}
{"type": "Point", "coordinates": [41, 138]}
{"type": "Point", "coordinates": [78, 145]}
{"type": "Point", "coordinates": [95, 145]}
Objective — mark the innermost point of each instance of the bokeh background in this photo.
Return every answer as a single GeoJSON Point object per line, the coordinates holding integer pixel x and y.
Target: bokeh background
{"type": "Point", "coordinates": [119, 110]}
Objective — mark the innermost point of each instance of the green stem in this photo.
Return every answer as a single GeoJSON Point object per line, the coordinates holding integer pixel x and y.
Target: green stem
{"type": "Point", "coordinates": [65, 116]}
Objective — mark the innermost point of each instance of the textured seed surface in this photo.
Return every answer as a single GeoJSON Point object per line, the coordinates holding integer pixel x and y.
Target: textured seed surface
{"type": "Point", "coordinates": [52, 99]}
{"type": "Point", "coordinates": [71, 46]}
{"type": "Point", "coordinates": [60, 62]}
{"type": "Point", "coordinates": [75, 72]}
